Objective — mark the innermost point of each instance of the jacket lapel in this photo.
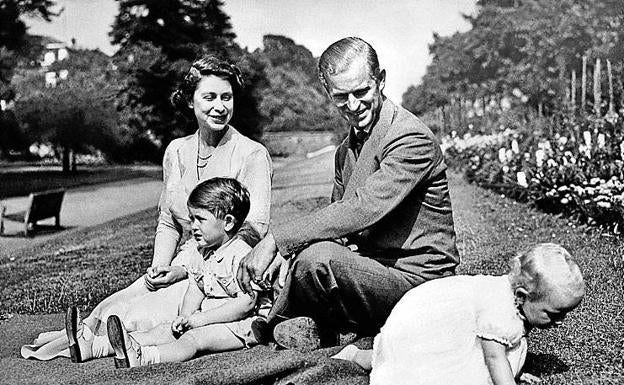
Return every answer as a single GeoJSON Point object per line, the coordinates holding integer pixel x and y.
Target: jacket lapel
{"type": "Point", "coordinates": [368, 161]}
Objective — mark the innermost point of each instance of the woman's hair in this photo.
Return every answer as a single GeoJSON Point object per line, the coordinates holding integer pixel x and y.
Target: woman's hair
{"type": "Point", "coordinates": [546, 267]}
{"type": "Point", "coordinates": [338, 56]}
{"type": "Point", "coordinates": [207, 65]}
{"type": "Point", "coordinates": [221, 196]}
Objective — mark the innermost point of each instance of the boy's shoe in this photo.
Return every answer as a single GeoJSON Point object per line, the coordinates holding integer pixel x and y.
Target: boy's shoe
{"type": "Point", "coordinates": [127, 349]}
{"type": "Point", "coordinates": [72, 320]}
{"type": "Point", "coordinates": [303, 334]}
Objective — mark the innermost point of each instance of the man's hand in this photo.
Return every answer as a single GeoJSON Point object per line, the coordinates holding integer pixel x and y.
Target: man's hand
{"type": "Point", "coordinates": [253, 266]}
{"type": "Point", "coordinates": [277, 271]}
{"type": "Point", "coordinates": [158, 277]}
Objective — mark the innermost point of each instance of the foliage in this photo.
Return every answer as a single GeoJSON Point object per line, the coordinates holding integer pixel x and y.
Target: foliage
{"type": "Point", "coordinates": [526, 48]}
{"type": "Point", "coordinates": [159, 40]}
{"type": "Point", "coordinates": [13, 31]}
{"type": "Point", "coordinates": [573, 166]}
{"type": "Point", "coordinates": [293, 98]}
{"type": "Point", "coordinates": [79, 112]}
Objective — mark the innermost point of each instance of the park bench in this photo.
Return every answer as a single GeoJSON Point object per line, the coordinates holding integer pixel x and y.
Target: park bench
{"type": "Point", "coordinates": [41, 205]}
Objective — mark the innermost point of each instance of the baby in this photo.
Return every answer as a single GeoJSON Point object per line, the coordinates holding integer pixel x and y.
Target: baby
{"type": "Point", "coordinates": [471, 329]}
{"type": "Point", "coordinates": [215, 315]}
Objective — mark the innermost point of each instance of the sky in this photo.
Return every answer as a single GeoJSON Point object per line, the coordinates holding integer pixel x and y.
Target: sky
{"type": "Point", "coordinates": [400, 30]}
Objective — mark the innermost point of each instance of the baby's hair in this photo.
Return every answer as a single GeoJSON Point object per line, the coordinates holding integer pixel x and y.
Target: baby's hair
{"type": "Point", "coordinates": [221, 196]}
{"type": "Point", "coordinates": [545, 267]}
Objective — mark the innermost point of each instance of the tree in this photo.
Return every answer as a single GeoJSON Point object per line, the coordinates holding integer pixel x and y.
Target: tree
{"type": "Point", "coordinates": [159, 40]}
{"type": "Point", "coordinates": [76, 115]}
{"type": "Point", "coordinates": [13, 30]}
{"type": "Point", "coordinates": [293, 99]}
{"type": "Point", "coordinates": [526, 45]}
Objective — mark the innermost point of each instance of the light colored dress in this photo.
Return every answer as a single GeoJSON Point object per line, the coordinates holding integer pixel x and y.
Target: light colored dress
{"type": "Point", "coordinates": [235, 156]}
{"type": "Point", "coordinates": [432, 335]}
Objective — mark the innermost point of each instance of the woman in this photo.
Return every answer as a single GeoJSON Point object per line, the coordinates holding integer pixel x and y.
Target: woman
{"type": "Point", "coordinates": [215, 150]}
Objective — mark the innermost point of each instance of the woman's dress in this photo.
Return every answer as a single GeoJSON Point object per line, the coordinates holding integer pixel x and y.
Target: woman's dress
{"type": "Point", "coordinates": [432, 336]}
{"type": "Point", "coordinates": [235, 156]}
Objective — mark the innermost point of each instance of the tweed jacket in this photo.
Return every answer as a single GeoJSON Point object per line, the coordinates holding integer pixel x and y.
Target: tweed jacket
{"type": "Point", "coordinates": [392, 202]}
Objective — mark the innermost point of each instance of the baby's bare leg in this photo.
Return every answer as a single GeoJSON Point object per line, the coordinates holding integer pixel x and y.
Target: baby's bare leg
{"type": "Point", "coordinates": [206, 339]}
{"type": "Point", "coordinates": [158, 335]}
{"type": "Point", "coordinates": [363, 358]}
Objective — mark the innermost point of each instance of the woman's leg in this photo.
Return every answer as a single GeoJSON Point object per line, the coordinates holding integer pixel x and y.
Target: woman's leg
{"type": "Point", "coordinates": [206, 339]}
{"type": "Point", "coordinates": [158, 335]}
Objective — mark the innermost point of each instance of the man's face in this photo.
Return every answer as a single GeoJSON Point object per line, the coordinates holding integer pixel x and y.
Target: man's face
{"type": "Point", "coordinates": [356, 94]}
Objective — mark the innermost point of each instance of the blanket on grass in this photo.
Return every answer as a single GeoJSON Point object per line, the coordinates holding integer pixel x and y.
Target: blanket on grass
{"type": "Point", "coordinates": [261, 365]}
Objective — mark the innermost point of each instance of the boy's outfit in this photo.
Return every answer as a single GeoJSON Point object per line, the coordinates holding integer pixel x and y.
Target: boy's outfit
{"type": "Point", "coordinates": [216, 278]}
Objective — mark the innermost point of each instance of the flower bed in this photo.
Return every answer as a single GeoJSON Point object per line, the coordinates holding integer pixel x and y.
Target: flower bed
{"type": "Point", "coordinates": [570, 165]}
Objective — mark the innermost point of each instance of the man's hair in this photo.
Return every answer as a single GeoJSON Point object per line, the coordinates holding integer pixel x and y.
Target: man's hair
{"type": "Point", "coordinates": [338, 56]}
{"type": "Point", "coordinates": [221, 196]}
{"type": "Point", "coordinates": [546, 267]}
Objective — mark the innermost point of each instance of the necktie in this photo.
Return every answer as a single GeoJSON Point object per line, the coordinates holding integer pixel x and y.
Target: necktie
{"type": "Point", "coordinates": [360, 139]}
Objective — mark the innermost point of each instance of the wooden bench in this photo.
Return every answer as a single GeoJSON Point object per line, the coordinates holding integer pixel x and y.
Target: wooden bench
{"type": "Point", "coordinates": [41, 205]}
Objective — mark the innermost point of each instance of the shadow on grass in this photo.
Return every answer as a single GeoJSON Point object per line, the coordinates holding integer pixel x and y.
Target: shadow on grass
{"type": "Point", "coordinates": [39, 230]}
{"type": "Point", "coordinates": [544, 364]}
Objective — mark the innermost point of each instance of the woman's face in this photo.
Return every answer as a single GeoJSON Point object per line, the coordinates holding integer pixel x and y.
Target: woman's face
{"type": "Point", "coordinates": [213, 103]}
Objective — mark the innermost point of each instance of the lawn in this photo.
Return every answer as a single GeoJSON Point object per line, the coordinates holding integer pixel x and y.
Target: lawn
{"type": "Point", "coordinates": [85, 266]}
{"type": "Point", "coordinates": [24, 181]}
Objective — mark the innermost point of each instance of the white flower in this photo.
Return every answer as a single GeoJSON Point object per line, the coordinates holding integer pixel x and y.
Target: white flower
{"type": "Point", "coordinates": [540, 155]}
{"type": "Point", "coordinates": [502, 155]}
{"type": "Point", "coordinates": [522, 179]}
{"type": "Point", "coordinates": [601, 140]}
{"type": "Point", "coordinates": [505, 169]}
{"type": "Point", "coordinates": [565, 201]}
{"type": "Point", "coordinates": [605, 205]}
{"type": "Point", "coordinates": [515, 147]}
{"type": "Point", "coordinates": [551, 163]}
{"type": "Point", "coordinates": [587, 138]}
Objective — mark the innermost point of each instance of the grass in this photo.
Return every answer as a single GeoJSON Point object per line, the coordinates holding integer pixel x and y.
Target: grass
{"type": "Point", "coordinates": [23, 182]}
{"type": "Point", "coordinates": [84, 267]}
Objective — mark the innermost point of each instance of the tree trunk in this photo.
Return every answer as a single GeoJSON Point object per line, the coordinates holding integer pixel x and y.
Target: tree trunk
{"type": "Point", "coordinates": [73, 161]}
{"type": "Point", "coordinates": [65, 159]}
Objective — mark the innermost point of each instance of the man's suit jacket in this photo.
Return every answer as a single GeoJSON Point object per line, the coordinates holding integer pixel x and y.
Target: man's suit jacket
{"type": "Point", "coordinates": [393, 201]}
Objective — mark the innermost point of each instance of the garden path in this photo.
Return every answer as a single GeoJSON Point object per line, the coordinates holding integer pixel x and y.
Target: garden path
{"type": "Point", "coordinates": [82, 207]}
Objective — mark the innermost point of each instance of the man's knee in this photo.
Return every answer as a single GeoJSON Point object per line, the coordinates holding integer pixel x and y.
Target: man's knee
{"type": "Point", "coordinates": [314, 257]}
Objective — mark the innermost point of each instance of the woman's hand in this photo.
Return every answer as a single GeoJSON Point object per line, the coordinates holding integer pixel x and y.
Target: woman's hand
{"type": "Point", "coordinates": [253, 266]}
{"type": "Point", "coordinates": [158, 277]}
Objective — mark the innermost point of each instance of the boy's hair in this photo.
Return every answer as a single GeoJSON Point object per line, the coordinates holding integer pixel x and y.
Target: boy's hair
{"type": "Point", "coordinates": [221, 196]}
{"type": "Point", "coordinates": [546, 267]}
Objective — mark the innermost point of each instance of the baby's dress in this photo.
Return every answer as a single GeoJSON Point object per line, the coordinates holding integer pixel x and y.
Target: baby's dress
{"type": "Point", "coordinates": [216, 278]}
{"type": "Point", "coordinates": [432, 336]}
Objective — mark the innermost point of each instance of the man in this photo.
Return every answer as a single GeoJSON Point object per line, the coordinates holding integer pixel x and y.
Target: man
{"type": "Point", "coordinates": [388, 229]}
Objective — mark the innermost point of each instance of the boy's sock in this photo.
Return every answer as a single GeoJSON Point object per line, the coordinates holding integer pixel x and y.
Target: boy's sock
{"type": "Point", "coordinates": [150, 355]}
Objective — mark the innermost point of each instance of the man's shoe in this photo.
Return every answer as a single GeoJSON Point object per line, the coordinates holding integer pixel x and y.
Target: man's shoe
{"type": "Point", "coordinates": [300, 333]}
{"type": "Point", "coordinates": [71, 328]}
{"type": "Point", "coordinates": [262, 331]}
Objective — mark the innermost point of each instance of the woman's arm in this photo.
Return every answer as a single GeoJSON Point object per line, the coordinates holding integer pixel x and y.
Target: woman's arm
{"type": "Point", "coordinates": [168, 231]}
{"type": "Point", "coordinates": [497, 363]}
{"type": "Point", "coordinates": [256, 174]}
{"type": "Point", "coordinates": [192, 299]}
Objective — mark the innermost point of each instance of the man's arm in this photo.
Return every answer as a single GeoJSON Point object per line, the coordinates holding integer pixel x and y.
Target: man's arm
{"type": "Point", "coordinates": [406, 163]}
